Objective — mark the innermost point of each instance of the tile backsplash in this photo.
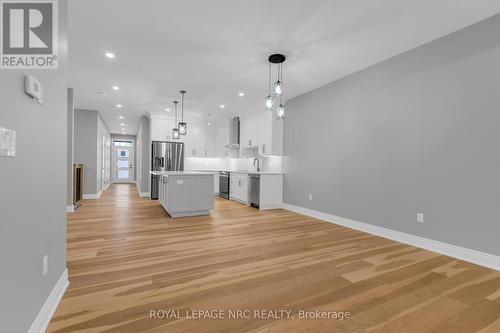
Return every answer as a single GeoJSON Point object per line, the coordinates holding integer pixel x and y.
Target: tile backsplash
{"type": "Point", "coordinates": [268, 164]}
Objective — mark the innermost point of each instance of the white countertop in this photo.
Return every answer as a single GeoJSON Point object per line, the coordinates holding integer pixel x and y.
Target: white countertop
{"type": "Point", "coordinates": [181, 173]}
{"type": "Point", "coordinates": [258, 173]}
{"type": "Point", "coordinates": [245, 171]}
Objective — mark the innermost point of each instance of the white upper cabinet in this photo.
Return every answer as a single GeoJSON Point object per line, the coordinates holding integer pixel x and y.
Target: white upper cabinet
{"type": "Point", "coordinates": [210, 137]}
{"type": "Point", "coordinates": [271, 134]}
{"type": "Point", "coordinates": [263, 132]}
{"type": "Point", "coordinates": [249, 132]}
{"type": "Point", "coordinates": [161, 128]}
{"type": "Point", "coordinates": [199, 141]}
{"type": "Point", "coordinates": [222, 139]}
{"type": "Point", "coordinates": [244, 133]}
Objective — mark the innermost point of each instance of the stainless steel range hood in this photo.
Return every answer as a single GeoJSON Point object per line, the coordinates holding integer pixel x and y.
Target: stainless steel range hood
{"type": "Point", "coordinates": [234, 133]}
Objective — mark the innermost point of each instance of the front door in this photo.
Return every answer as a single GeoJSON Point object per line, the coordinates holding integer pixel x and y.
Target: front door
{"type": "Point", "coordinates": [123, 161]}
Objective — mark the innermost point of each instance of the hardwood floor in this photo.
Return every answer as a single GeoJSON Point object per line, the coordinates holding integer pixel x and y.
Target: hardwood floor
{"type": "Point", "coordinates": [126, 258]}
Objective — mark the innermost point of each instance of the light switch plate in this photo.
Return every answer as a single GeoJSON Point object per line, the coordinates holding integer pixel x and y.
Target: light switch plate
{"type": "Point", "coordinates": [7, 142]}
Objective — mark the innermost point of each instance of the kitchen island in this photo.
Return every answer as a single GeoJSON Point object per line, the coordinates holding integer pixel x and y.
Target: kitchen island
{"type": "Point", "coordinates": [185, 193]}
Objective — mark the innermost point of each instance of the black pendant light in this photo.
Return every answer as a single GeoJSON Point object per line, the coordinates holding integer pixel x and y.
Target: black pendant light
{"type": "Point", "coordinates": [275, 102]}
{"type": "Point", "coordinates": [182, 125]}
{"type": "Point", "coordinates": [175, 130]}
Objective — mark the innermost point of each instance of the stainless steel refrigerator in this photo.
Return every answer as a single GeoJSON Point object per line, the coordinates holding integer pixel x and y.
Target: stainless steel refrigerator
{"type": "Point", "coordinates": [165, 156]}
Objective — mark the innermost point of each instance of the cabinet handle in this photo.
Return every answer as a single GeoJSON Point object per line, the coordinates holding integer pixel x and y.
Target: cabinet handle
{"type": "Point", "coordinates": [206, 153]}
{"type": "Point", "coordinates": [194, 152]}
{"type": "Point", "coordinates": [250, 142]}
{"type": "Point", "coordinates": [264, 148]}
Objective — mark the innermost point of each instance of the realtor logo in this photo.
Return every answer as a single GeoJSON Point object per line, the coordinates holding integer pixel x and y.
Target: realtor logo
{"type": "Point", "coordinates": [29, 34]}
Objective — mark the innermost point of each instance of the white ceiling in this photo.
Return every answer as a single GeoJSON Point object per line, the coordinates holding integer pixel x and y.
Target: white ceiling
{"type": "Point", "coordinates": [216, 48]}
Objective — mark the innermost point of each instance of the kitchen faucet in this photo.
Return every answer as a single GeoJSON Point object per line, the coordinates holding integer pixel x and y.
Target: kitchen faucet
{"type": "Point", "coordinates": [258, 164]}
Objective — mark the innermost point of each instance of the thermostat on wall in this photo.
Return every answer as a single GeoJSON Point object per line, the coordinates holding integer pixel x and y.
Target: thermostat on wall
{"type": "Point", "coordinates": [33, 88]}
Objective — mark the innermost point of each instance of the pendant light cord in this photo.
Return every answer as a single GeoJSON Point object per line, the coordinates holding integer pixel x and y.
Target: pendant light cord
{"type": "Point", "coordinates": [182, 105]}
{"type": "Point", "coordinates": [278, 72]}
{"type": "Point", "coordinates": [269, 80]}
{"type": "Point", "coordinates": [281, 79]}
{"type": "Point", "coordinates": [175, 106]}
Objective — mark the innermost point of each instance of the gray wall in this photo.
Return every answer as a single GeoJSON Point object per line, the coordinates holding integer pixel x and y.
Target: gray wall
{"type": "Point", "coordinates": [69, 145]}
{"type": "Point", "coordinates": [103, 161]}
{"type": "Point", "coordinates": [33, 190]}
{"type": "Point", "coordinates": [85, 147]}
{"type": "Point", "coordinates": [143, 155]}
{"type": "Point", "coordinates": [417, 133]}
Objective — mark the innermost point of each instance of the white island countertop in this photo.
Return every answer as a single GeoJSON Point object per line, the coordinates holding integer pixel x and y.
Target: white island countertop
{"type": "Point", "coordinates": [181, 173]}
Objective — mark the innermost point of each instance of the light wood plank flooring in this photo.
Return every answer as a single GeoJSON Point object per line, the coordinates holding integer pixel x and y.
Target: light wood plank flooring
{"type": "Point", "coordinates": [127, 258]}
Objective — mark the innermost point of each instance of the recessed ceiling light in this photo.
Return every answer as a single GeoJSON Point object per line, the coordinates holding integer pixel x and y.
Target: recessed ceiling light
{"type": "Point", "coordinates": [121, 117]}
{"type": "Point", "coordinates": [123, 129]}
{"type": "Point", "coordinates": [241, 94]}
{"type": "Point", "coordinates": [167, 109]}
{"type": "Point", "coordinates": [116, 88]}
{"type": "Point", "coordinates": [110, 55]}
{"type": "Point", "coordinates": [119, 105]}
{"type": "Point", "coordinates": [222, 106]}
{"type": "Point", "coordinates": [208, 124]}
{"type": "Point", "coordinates": [122, 124]}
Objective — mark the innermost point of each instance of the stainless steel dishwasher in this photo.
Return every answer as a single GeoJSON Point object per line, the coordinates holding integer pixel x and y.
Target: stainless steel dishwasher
{"type": "Point", "coordinates": [254, 190]}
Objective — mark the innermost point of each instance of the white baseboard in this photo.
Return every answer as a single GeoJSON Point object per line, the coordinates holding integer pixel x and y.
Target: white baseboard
{"type": "Point", "coordinates": [240, 201]}
{"type": "Point", "coordinates": [473, 256]}
{"type": "Point", "coordinates": [270, 206]}
{"type": "Point", "coordinates": [141, 194]}
{"type": "Point", "coordinates": [92, 195]}
{"type": "Point", "coordinates": [70, 209]}
{"type": "Point", "coordinates": [43, 318]}
{"type": "Point", "coordinates": [107, 186]}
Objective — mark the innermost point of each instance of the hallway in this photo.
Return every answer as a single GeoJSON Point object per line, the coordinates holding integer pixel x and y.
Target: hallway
{"type": "Point", "coordinates": [126, 258]}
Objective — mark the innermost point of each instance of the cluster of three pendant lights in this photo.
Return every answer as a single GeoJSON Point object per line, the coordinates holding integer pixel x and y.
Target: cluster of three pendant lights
{"type": "Point", "coordinates": [275, 103]}
{"type": "Point", "coordinates": [181, 128]}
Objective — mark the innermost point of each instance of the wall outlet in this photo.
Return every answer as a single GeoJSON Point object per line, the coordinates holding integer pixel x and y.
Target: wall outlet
{"type": "Point", "coordinates": [45, 265]}
{"type": "Point", "coordinates": [420, 217]}
{"type": "Point", "coordinates": [310, 196]}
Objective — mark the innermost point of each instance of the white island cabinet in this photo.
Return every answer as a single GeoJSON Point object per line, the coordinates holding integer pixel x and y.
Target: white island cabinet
{"type": "Point", "coordinates": [186, 193]}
